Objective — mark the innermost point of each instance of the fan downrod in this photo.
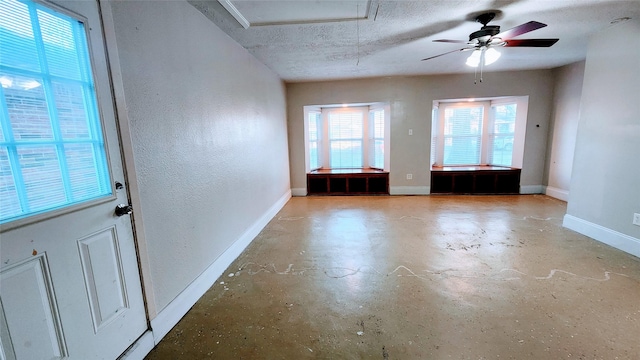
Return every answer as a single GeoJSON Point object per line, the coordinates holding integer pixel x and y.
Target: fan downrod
{"type": "Point", "coordinates": [485, 18]}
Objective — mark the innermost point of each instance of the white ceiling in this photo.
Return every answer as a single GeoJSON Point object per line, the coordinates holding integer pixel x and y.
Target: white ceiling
{"type": "Point", "coordinates": [309, 40]}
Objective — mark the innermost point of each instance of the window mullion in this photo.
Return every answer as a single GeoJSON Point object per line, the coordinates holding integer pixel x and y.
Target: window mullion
{"type": "Point", "coordinates": [31, 73]}
{"type": "Point", "coordinates": [47, 87]}
{"type": "Point", "coordinates": [12, 153]}
{"type": "Point", "coordinates": [52, 142]}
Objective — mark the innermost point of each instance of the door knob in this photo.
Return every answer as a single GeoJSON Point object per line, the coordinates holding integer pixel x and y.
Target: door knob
{"type": "Point", "coordinates": [123, 209]}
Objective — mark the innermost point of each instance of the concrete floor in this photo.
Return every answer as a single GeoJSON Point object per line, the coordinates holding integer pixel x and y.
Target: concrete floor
{"type": "Point", "coordinates": [422, 277]}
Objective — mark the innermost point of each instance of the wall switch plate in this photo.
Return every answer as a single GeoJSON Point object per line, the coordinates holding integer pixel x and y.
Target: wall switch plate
{"type": "Point", "coordinates": [410, 131]}
{"type": "Point", "coordinates": [636, 219]}
{"type": "Point", "coordinates": [409, 176]}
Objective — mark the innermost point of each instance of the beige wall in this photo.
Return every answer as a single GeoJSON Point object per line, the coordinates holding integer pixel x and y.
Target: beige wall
{"type": "Point", "coordinates": [208, 128]}
{"type": "Point", "coordinates": [605, 182]}
{"type": "Point", "coordinates": [563, 128]}
{"type": "Point", "coordinates": [411, 101]}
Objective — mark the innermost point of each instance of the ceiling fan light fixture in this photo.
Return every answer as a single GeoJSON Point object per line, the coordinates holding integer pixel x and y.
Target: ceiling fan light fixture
{"type": "Point", "coordinates": [474, 59]}
{"type": "Point", "coordinates": [490, 56]}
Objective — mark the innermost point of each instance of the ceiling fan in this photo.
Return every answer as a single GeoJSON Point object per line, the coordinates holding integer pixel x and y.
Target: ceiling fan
{"type": "Point", "coordinates": [484, 41]}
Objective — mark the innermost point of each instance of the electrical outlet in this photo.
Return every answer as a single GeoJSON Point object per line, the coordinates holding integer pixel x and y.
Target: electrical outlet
{"type": "Point", "coordinates": [636, 219]}
{"type": "Point", "coordinates": [409, 176]}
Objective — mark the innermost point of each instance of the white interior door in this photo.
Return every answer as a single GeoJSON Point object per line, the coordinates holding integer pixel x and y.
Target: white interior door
{"type": "Point", "coordinates": [69, 284]}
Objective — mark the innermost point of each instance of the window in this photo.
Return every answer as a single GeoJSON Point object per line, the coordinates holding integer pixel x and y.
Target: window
{"type": "Point", "coordinates": [376, 119]}
{"type": "Point", "coordinates": [462, 134]}
{"type": "Point", "coordinates": [479, 132]}
{"type": "Point", "coordinates": [356, 137]}
{"type": "Point", "coordinates": [51, 145]}
{"type": "Point", "coordinates": [502, 133]}
{"type": "Point", "coordinates": [314, 139]}
{"type": "Point", "coordinates": [346, 139]}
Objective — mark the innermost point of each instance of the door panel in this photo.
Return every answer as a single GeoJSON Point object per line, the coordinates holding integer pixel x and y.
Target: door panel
{"type": "Point", "coordinates": [103, 276]}
{"type": "Point", "coordinates": [70, 285]}
{"type": "Point", "coordinates": [30, 310]}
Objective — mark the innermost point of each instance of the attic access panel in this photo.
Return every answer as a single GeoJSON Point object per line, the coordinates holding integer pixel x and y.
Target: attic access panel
{"type": "Point", "coordinates": [263, 13]}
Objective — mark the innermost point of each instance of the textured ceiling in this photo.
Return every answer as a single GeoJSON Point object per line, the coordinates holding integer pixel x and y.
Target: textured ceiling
{"type": "Point", "coordinates": [393, 36]}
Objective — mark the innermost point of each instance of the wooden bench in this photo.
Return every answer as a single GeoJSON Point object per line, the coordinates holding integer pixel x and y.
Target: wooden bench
{"type": "Point", "coordinates": [348, 182]}
{"type": "Point", "coordinates": [475, 180]}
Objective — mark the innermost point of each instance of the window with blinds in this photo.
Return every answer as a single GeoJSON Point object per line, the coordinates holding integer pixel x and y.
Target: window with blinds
{"type": "Point", "coordinates": [347, 137]}
{"type": "Point", "coordinates": [314, 131]}
{"type": "Point", "coordinates": [51, 144]}
{"type": "Point", "coordinates": [502, 133]}
{"type": "Point", "coordinates": [346, 133]}
{"type": "Point", "coordinates": [376, 145]}
{"type": "Point", "coordinates": [478, 132]}
{"type": "Point", "coordinates": [462, 135]}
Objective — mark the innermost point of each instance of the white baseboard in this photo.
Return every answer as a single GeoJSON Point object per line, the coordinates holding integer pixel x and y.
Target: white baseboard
{"type": "Point", "coordinates": [605, 235]}
{"type": "Point", "coordinates": [556, 193]}
{"type": "Point", "coordinates": [140, 348]}
{"type": "Point", "coordinates": [172, 313]}
{"type": "Point", "coordinates": [409, 190]}
{"type": "Point", "coordinates": [530, 189]}
{"type": "Point", "coordinates": [298, 191]}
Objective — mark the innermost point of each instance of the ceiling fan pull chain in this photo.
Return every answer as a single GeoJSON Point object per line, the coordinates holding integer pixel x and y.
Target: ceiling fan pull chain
{"type": "Point", "coordinates": [481, 63]}
{"type": "Point", "coordinates": [475, 73]}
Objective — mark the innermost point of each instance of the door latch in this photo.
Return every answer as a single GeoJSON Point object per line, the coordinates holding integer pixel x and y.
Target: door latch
{"type": "Point", "coordinates": [123, 209]}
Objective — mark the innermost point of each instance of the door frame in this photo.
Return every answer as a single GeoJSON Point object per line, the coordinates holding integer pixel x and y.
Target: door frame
{"type": "Point", "coordinates": [145, 343]}
{"type": "Point", "coordinates": [126, 150]}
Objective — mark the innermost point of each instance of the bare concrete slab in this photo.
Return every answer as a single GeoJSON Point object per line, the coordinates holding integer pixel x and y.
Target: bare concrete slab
{"type": "Point", "coordinates": [418, 277]}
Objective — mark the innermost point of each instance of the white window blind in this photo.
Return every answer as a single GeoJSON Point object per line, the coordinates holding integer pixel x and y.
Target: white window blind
{"type": "Point", "coordinates": [314, 131]}
{"type": "Point", "coordinates": [502, 134]}
{"type": "Point", "coordinates": [435, 150]}
{"type": "Point", "coordinates": [346, 139]}
{"type": "Point", "coordinates": [376, 143]}
{"type": "Point", "coordinates": [51, 145]}
{"type": "Point", "coordinates": [462, 135]}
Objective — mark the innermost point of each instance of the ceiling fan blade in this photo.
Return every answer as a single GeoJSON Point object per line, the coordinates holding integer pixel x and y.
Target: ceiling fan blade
{"type": "Point", "coordinates": [531, 42]}
{"type": "Point", "coordinates": [520, 29]}
{"type": "Point", "coordinates": [451, 41]}
{"type": "Point", "coordinates": [448, 52]}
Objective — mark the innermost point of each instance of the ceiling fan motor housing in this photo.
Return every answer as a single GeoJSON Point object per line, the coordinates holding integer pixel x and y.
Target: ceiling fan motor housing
{"type": "Point", "coordinates": [485, 33]}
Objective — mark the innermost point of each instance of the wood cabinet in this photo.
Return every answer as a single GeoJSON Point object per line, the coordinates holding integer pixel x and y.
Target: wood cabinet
{"type": "Point", "coordinates": [475, 180]}
{"type": "Point", "coordinates": [348, 182]}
